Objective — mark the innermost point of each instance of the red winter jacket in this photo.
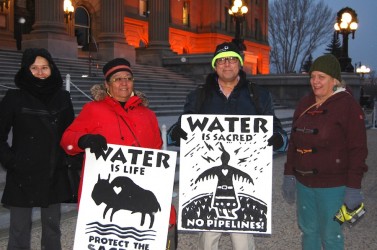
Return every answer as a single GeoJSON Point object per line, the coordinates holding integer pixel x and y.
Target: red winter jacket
{"type": "Point", "coordinates": [131, 125]}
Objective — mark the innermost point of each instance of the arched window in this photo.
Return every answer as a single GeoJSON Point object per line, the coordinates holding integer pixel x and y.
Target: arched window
{"type": "Point", "coordinates": [82, 27]}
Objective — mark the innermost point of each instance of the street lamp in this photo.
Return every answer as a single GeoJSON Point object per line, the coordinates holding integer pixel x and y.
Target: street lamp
{"type": "Point", "coordinates": [362, 70]}
{"type": "Point", "coordinates": [238, 12]}
{"type": "Point", "coordinates": [4, 4]}
{"type": "Point", "coordinates": [346, 23]}
{"type": "Point", "coordinates": [68, 10]}
{"type": "Point", "coordinates": [21, 22]}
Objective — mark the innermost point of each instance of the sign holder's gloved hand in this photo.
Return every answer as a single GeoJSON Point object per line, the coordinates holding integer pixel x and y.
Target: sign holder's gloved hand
{"type": "Point", "coordinates": [289, 189]}
{"type": "Point", "coordinates": [353, 198]}
{"type": "Point", "coordinates": [177, 133]}
{"type": "Point", "coordinates": [352, 209]}
{"type": "Point", "coordinates": [276, 141]}
{"type": "Point", "coordinates": [96, 143]}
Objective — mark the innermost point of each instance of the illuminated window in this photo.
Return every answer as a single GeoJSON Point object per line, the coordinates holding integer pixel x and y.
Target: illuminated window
{"type": "Point", "coordinates": [143, 8]}
{"type": "Point", "coordinates": [186, 13]}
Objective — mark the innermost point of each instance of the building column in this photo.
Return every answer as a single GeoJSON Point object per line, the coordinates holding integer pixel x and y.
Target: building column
{"type": "Point", "coordinates": [158, 23]}
{"type": "Point", "coordinates": [49, 30]}
{"type": "Point", "coordinates": [7, 26]}
{"type": "Point", "coordinates": [158, 33]}
{"type": "Point", "coordinates": [111, 40]}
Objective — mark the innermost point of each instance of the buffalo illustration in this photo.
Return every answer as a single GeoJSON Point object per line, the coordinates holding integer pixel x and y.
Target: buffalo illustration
{"type": "Point", "coordinates": [123, 193]}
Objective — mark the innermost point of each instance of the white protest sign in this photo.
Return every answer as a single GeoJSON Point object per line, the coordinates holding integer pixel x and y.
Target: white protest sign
{"type": "Point", "coordinates": [225, 182]}
{"type": "Point", "coordinates": [126, 199]}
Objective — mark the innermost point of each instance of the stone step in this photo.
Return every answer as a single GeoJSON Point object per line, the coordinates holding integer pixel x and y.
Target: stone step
{"type": "Point", "coordinates": [78, 67]}
{"type": "Point", "coordinates": [157, 83]}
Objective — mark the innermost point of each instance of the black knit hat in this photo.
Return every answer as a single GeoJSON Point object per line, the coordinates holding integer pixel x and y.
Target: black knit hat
{"type": "Point", "coordinates": [29, 55]}
{"type": "Point", "coordinates": [327, 64]}
{"type": "Point", "coordinates": [114, 66]}
{"type": "Point", "coordinates": [225, 50]}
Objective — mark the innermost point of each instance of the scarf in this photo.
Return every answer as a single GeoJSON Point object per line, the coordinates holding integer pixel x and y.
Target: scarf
{"type": "Point", "coordinates": [42, 89]}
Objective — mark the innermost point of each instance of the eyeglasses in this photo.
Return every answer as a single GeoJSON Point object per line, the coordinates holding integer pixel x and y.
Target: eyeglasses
{"type": "Point", "coordinates": [120, 79]}
{"type": "Point", "coordinates": [230, 59]}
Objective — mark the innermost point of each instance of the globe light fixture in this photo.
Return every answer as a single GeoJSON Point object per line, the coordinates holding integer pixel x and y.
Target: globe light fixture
{"type": "Point", "coordinates": [68, 10]}
{"type": "Point", "coordinates": [362, 70]}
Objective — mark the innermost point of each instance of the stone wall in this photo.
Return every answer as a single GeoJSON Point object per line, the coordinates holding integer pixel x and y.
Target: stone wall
{"type": "Point", "coordinates": [286, 89]}
{"type": "Point", "coordinates": [196, 66]}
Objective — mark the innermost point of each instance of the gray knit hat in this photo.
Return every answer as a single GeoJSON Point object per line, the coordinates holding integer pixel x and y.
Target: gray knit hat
{"type": "Point", "coordinates": [327, 64]}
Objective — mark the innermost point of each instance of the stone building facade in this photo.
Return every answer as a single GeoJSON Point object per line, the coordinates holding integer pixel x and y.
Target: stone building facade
{"type": "Point", "coordinates": [144, 31]}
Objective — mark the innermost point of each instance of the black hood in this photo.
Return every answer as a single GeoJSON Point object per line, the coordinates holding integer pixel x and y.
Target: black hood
{"type": "Point", "coordinates": [41, 88]}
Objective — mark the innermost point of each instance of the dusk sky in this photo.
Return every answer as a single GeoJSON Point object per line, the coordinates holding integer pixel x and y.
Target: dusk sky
{"type": "Point", "coordinates": [364, 47]}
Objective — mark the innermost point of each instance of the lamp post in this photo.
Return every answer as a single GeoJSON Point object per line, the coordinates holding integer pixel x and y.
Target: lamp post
{"type": "Point", "coordinates": [68, 10]}
{"type": "Point", "coordinates": [21, 22]}
{"type": "Point", "coordinates": [346, 23]}
{"type": "Point", "coordinates": [238, 12]}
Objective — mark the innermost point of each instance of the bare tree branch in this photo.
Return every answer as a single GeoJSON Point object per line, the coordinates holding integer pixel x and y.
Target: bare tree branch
{"type": "Point", "coordinates": [296, 29]}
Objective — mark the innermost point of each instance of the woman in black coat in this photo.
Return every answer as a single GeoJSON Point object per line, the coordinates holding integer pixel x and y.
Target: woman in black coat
{"type": "Point", "coordinates": [37, 176]}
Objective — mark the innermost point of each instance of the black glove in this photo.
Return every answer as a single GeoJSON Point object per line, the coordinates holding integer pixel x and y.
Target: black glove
{"type": "Point", "coordinates": [276, 141]}
{"type": "Point", "coordinates": [96, 143]}
{"type": "Point", "coordinates": [177, 133]}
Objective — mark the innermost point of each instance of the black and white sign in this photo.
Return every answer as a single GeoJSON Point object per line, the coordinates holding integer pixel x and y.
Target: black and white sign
{"type": "Point", "coordinates": [126, 199]}
{"type": "Point", "coordinates": [225, 180]}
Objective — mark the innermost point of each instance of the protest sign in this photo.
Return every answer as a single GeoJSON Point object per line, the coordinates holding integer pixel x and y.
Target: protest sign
{"type": "Point", "coordinates": [225, 180]}
{"type": "Point", "coordinates": [126, 199]}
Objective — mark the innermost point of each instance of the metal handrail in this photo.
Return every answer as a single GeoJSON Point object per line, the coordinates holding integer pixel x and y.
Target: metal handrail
{"type": "Point", "coordinates": [69, 83]}
{"type": "Point", "coordinates": [67, 86]}
{"type": "Point", "coordinates": [7, 87]}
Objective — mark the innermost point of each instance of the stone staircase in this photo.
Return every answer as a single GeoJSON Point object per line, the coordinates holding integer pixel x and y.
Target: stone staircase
{"type": "Point", "coordinates": [165, 89]}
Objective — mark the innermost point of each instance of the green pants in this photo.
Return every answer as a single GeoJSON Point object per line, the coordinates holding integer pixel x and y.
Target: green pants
{"type": "Point", "coordinates": [316, 208]}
